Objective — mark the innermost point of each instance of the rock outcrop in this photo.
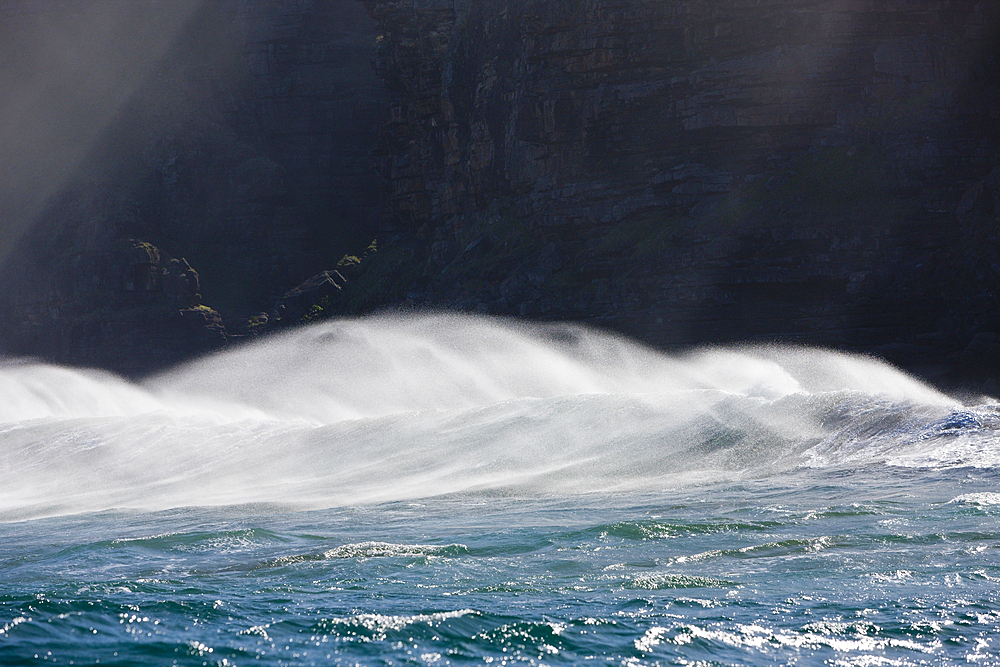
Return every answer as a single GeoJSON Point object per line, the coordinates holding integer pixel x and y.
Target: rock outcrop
{"type": "Point", "coordinates": [136, 310]}
{"type": "Point", "coordinates": [244, 146]}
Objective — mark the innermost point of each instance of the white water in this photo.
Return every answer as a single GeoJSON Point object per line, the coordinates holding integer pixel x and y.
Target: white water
{"type": "Point", "coordinates": [392, 408]}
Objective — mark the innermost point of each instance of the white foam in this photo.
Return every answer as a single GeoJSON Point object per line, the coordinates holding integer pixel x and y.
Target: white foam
{"type": "Point", "coordinates": [391, 550]}
{"type": "Point", "coordinates": [986, 499]}
{"type": "Point", "coordinates": [394, 408]}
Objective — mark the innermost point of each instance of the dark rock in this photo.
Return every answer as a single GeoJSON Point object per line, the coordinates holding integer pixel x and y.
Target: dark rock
{"type": "Point", "coordinates": [180, 283]}
{"type": "Point", "coordinates": [139, 311]}
{"type": "Point", "coordinates": [982, 356]}
{"type": "Point", "coordinates": [244, 148]}
{"type": "Point", "coordinates": [307, 301]}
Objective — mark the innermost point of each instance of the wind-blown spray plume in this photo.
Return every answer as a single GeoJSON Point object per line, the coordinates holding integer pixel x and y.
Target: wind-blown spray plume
{"type": "Point", "coordinates": [401, 407]}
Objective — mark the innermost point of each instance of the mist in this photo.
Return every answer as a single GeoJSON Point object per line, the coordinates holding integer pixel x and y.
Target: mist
{"type": "Point", "coordinates": [68, 70]}
{"type": "Point", "coordinates": [405, 407]}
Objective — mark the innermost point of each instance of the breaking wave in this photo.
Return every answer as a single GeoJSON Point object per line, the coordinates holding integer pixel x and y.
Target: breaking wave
{"type": "Point", "coordinates": [401, 407]}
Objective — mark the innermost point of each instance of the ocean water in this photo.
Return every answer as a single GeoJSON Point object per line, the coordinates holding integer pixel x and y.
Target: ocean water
{"type": "Point", "coordinates": [435, 490]}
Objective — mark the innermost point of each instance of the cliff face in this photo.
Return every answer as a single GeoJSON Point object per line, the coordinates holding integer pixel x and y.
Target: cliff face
{"type": "Point", "coordinates": [687, 171]}
{"type": "Point", "coordinates": [242, 145]}
{"type": "Point", "coordinates": [591, 111]}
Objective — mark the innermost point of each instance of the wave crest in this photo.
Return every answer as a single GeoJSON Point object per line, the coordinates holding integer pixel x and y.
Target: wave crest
{"type": "Point", "coordinates": [394, 408]}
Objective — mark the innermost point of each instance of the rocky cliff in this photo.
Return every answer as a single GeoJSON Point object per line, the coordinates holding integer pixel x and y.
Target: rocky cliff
{"type": "Point", "coordinates": [685, 171]}
{"type": "Point", "coordinates": [690, 172]}
{"type": "Point", "coordinates": [241, 143]}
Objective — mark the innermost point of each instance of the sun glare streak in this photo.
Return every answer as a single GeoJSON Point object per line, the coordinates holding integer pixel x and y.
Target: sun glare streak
{"type": "Point", "coordinates": [68, 70]}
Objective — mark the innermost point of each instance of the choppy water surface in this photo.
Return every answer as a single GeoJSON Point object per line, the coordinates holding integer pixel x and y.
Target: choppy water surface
{"type": "Point", "coordinates": [440, 490]}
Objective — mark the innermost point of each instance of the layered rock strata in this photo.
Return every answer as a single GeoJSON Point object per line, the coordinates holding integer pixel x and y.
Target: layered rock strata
{"type": "Point", "coordinates": [689, 172]}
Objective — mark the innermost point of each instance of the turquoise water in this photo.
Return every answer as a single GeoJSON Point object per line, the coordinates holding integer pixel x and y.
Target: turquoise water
{"type": "Point", "coordinates": [439, 490]}
{"type": "Point", "coordinates": [833, 568]}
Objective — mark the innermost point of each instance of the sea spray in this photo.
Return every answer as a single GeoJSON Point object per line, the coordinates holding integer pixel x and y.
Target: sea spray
{"type": "Point", "coordinates": [397, 407]}
{"type": "Point", "coordinates": [445, 490]}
